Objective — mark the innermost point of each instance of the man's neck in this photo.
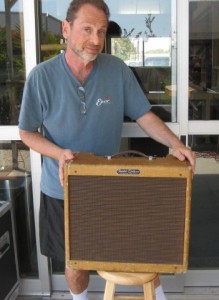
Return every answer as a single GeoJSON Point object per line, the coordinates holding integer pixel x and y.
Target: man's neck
{"type": "Point", "coordinates": [80, 68]}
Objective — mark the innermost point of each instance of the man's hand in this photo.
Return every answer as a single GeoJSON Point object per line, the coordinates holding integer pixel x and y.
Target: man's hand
{"type": "Point", "coordinates": [183, 153]}
{"type": "Point", "coordinates": [36, 141]}
{"type": "Point", "coordinates": [65, 156]}
{"type": "Point", "coordinates": [158, 130]}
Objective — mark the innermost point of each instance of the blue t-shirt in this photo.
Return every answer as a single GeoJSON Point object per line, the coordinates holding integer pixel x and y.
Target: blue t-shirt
{"type": "Point", "coordinates": [51, 101]}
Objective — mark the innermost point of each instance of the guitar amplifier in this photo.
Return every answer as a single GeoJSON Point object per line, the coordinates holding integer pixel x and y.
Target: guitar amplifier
{"type": "Point", "coordinates": [127, 214]}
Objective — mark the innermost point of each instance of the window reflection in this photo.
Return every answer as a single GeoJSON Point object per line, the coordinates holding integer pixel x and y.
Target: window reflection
{"type": "Point", "coordinates": [139, 52]}
{"type": "Point", "coordinates": [50, 29]}
{"type": "Point", "coordinates": [205, 143]}
{"type": "Point", "coordinates": [204, 60]}
{"type": "Point", "coordinates": [16, 187]}
{"type": "Point", "coordinates": [140, 34]}
{"type": "Point", "coordinates": [12, 71]}
{"type": "Point", "coordinates": [144, 145]}
{"type": "Point", "coordinates": [204, 219]}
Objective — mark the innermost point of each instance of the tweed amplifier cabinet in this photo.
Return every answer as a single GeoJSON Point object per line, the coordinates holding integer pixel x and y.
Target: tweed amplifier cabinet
{"type": "Point", "coordinates": [127, 214]}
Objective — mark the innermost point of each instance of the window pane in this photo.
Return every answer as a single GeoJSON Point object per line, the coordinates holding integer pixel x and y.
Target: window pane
{"type": "Point", "coordinates": [204, 60]}
{"type": "Point", "coordinates": [146, 45]}
{"type": "Point", "coordinates": [16, 187]}
{"type": "Point", "coordinates": [140, 33]}
{"type": "Point", "coordinates": [12, 71]}
{"type": "Point", "coordinates": [146, 146]}
{"type": "Point", "coordinates": [204, 241]}
{"type": "Point", "coordinates": [51, 13]}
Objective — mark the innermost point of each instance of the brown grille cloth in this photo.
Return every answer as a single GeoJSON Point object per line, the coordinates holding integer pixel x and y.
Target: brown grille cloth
{"type": "Point", "coordinates": [126, 219]}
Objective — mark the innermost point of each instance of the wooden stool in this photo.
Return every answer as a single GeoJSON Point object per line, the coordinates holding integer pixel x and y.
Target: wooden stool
{"type": "Point", "coordinates": [120, 278]}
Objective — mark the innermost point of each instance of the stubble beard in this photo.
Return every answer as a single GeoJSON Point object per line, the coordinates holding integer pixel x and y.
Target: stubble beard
{"type": "Point", "coordinates": [83, 55]}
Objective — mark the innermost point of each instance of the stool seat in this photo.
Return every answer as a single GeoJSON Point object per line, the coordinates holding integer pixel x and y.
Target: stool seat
{"type": "Point", "coordinates": [124, 278]}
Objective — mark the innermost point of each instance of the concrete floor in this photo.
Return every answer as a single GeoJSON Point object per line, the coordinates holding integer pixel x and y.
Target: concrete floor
{"type": "Point", "coordinates": [99, 296]}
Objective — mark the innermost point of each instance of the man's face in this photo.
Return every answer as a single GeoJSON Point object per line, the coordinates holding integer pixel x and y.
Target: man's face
{"type": "Point", "coordinates": [86, 35]}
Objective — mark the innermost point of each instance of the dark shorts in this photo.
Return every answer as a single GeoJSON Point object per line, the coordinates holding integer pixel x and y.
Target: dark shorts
{"type": "Point", "coordinates": [51, 226]}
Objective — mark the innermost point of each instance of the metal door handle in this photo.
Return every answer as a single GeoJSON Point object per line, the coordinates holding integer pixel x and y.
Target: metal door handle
{"type": "Point", "coordinates": [4, 244]}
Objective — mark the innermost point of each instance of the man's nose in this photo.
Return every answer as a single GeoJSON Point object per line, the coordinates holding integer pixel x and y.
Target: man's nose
{"type": "Point", "coordinates": [95, 38]}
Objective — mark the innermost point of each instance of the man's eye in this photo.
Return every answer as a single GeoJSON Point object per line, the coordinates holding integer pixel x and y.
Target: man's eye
{"type": "Point", "coordinates": [102, 33]}
{"type": "Point", "coordinates": [87, 30]}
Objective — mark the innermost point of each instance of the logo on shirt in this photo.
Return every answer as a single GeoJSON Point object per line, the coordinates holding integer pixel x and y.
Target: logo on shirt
{"type": "Point", "coordinates": [103, 101]}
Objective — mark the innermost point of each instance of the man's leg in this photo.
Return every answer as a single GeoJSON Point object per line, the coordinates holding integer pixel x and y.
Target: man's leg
{"type": "Point", "coordinates": [159, 290]}
{"type": "Point", "coordinates": [77, 281]}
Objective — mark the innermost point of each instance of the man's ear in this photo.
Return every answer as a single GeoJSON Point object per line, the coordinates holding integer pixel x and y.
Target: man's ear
{"type": "Point", "coordinates": [65, 29]}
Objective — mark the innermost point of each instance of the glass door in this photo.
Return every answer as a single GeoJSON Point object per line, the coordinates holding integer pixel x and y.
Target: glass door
{"type": "Point", "coordinates": [15, 171]}
{"type": "Point", "coordinates": [203, 60]}
{"type": "Point", "coordinates": [203, 138]}
{"type": "Point", "coordinates": [161, 60]}
{"type": "Point", "coordinates": [143, 34]}
{"type": "Point", "coordinates": [16, 179]}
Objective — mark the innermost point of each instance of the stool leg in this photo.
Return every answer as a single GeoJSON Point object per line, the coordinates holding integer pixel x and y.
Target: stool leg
{"type": "Point", "coordinates": [109, 291]}
{"type": "Point", "coordinates": [149, 291]}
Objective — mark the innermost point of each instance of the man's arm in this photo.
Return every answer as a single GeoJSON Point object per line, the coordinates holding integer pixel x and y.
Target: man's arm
{"type": "Point", "coordinates": [157, 129]}
{"type": "Point", "coordinates": [37, 142]}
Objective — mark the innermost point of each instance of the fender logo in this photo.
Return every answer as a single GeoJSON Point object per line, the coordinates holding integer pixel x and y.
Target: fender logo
{"type": "Point", "coordinates": [128, 172]}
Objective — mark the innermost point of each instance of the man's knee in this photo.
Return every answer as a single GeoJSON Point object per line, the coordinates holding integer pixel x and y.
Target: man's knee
{"type": "Point", "coordinates": [77, 279]}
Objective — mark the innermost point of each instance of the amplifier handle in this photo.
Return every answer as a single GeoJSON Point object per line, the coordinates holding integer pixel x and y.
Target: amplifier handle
{"type": "Point", "coordinates": [129, 152]}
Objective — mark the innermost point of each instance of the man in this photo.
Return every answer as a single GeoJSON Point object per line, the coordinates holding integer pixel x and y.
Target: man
{"type": "Point", "coordinates": [79, 99]}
